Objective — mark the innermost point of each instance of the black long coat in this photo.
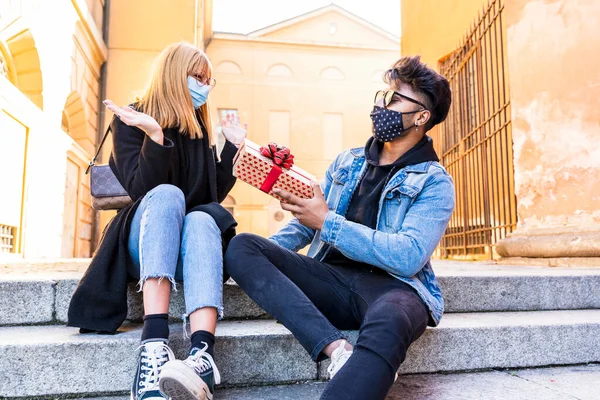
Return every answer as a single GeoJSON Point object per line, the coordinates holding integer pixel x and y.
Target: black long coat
{"type": "Point", "coordinates": [140, 164]}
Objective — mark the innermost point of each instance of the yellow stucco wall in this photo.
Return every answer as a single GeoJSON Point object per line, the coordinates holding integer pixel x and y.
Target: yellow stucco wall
{"type": "Point", "coordinates": [134, 43]}
{"type": "Point", "coordinates": [555, 96]}
{"type": "Point", "coordinates": [433, 28]}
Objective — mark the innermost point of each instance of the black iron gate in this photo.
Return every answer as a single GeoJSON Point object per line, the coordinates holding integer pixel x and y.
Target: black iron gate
{"type": "Point", "coordinates": [475, 142]}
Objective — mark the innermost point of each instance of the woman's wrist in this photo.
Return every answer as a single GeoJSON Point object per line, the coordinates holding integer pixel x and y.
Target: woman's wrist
{"type": "Point", "coordinates": [156, 135]}
{"type": "Point", "coordinates": [236, 143]}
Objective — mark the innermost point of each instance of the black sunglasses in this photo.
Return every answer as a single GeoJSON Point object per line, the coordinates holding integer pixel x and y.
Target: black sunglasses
{"type": "Point", "coordinates": [388, 95]}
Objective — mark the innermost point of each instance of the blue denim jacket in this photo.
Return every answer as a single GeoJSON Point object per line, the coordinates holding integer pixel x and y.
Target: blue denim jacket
{"type": "Point", "coordinates": [414, 210]}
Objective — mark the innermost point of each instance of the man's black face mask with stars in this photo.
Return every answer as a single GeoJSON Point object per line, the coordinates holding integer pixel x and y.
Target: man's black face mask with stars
{"type": "Point", "coordinates": [387, 124]}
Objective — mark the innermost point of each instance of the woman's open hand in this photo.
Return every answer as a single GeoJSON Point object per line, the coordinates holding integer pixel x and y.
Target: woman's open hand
{"type": "Point", "coordinates": [134, 118]}
{"type": "Point", "coordinates": [232, 129]}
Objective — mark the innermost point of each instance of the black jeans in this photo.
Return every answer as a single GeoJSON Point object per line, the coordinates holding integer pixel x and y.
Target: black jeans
{"type": "Point", "coordinates": [315, 301]}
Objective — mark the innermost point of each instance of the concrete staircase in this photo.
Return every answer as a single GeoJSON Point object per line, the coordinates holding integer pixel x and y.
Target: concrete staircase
{"type": "Point", "coordinates": [497, 317]}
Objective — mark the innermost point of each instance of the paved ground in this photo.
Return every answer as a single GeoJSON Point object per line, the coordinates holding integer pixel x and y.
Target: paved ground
{"type": "Point", "coordinates": [559, 383]}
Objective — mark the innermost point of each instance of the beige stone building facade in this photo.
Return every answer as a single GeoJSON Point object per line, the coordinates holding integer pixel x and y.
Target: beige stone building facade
{"type": "Point", "coordinates": [307, 83]}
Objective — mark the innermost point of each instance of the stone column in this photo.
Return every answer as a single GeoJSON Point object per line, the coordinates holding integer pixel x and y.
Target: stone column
{"type": "Point", "coordinates": [554, 73]}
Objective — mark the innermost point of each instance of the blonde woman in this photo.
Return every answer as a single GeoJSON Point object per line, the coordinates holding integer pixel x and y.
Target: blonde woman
{"type": "Point", "coordinates": [164, 155]}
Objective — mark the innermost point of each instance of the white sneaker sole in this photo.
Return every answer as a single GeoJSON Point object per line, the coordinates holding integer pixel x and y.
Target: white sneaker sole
{"type": "Point", "coordinates": [179, 382]}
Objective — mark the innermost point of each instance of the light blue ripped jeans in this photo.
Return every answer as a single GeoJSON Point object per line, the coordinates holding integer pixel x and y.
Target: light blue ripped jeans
{"type": "Point", "coordinates": [164, 242]}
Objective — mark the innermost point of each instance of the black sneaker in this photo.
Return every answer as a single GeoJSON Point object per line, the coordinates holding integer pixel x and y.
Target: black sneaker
{"type": "Point", "coordinates": [153, 356]}
{"type": "Point", "coordinates": [191, 379]}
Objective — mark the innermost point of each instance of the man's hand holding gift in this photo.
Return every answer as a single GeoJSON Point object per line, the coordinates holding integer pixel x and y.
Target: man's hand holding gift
{"type": "Point", "coordinates": [310, 212]}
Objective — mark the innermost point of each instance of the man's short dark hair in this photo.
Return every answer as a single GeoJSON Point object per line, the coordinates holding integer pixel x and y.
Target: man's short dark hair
{"type": "Point", "coordinates": [433, 88]}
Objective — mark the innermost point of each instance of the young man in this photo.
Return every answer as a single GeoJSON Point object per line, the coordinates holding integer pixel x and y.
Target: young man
{"type": "Point", "coordinates": [381, 213]}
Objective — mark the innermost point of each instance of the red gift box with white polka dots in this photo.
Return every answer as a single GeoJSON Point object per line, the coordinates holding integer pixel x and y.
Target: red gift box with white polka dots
{"type": "Point", "coordinates": [252, 167]}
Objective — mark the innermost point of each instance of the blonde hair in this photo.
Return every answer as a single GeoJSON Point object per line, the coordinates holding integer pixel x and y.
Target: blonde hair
{"type": "Point", "coordinates": [168, 99]}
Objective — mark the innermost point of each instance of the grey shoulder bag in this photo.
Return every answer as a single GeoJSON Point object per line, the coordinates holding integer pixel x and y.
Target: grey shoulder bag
{"type": "Point", "coordinates": [107, 192]}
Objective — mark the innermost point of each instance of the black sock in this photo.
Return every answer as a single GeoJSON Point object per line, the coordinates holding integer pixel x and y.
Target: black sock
{"type": "Point", "coordinates": [156, 326]}
{"type": "Point", "coordinates": [199, 337]}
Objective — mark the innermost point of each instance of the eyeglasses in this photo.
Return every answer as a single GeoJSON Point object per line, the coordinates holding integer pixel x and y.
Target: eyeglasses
{"type": "Point", "coordinates": [202, 81]}
{"type": "Point", "coordinates": [388, 96]}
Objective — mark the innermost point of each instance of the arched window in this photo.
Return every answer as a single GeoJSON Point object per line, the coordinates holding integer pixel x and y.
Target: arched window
{"type": "Point", "coordinates": [228, 67]}
{"type": "Point", "coordinates": [28, 69]}
{"type": "Point", "coordinates": [64, 124]}
{"type": "Point", "coordinates": [279, 70]}
{"type": "Point", "coordinates": [75, 122]}
{"type": "Point", "coordinates": [332, 74]}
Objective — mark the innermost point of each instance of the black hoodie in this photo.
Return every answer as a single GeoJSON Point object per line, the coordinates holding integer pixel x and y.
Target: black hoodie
{"type": "Point", "coordinates": [364, 205]}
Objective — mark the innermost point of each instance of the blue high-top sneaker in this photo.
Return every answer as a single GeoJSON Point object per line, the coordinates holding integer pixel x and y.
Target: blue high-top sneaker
{"type": "Point", "coordinates": [191, 379]}
{"type": "Point", "coordinates": [153, 357]}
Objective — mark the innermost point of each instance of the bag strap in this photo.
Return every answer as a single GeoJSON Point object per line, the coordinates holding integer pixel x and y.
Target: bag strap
{"type": "Point", "coordinates": [93, 161]}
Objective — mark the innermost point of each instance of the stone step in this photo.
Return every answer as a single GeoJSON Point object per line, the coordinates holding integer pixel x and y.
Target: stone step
{"type": "Point", "coordinates": [45, 300]}
{"type": "Point", "coordinates": [559, 383]}
{"type": "Point", "coordinates": [56, 360]}
{"type": "Point", "coordinates": [41, 296]}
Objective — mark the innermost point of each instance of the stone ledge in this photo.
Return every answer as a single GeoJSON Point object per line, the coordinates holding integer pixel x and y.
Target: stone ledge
{"type": "Point", "coordinates": [475, 341]}
{"type": "Point", "coordinates": [588, 262]}
{"type": "Point", "coordinates": [472, 290]}
{"type": "Point", "coordinates": [236, 303]}
{"type": "Point", "coordinates": [43, 298]}
{"type": "Point", "coordinates": [26, 301]}
{"type": "Point", "coordinates": [556, 245]}
{"type": "Point", "coordinates": [254, 352]}
{"type": "Point", "coordinates": [248, 352]}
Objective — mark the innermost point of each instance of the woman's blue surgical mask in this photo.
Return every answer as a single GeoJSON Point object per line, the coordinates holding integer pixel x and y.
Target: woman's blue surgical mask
{"type": "Point", "coordinates": [198, 91]}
